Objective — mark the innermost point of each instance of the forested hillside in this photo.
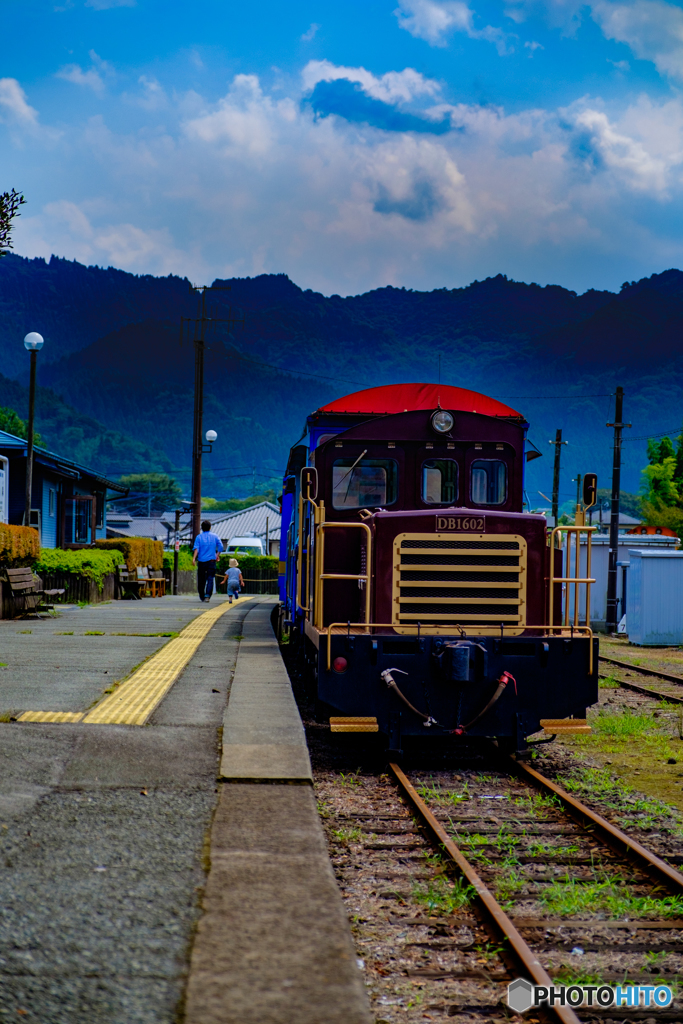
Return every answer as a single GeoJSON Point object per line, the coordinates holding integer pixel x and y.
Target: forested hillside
{"type": "Point", "coordinates": [112, 351]}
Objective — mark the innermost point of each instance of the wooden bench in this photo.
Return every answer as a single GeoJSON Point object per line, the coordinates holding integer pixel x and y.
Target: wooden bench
{"type": "Point", "coordinates": [27, 593]}
{"type": "Point", "coordinates": [153, 585]}
{"type": "Point", "coordinates": [129, 585]}
{"type": "Point", "coordinates": [159, 581]}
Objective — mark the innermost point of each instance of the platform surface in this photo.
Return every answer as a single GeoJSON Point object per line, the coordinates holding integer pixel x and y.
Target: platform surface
{"type": "Point", "coordinates": [105, 829]}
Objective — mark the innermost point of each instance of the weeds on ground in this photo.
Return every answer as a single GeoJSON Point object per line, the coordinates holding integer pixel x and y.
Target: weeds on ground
{"type": "Point", "coordinates": [443, 796]}
{"type": "Point", "coordinates": [487, 951]}
{"type": "Point", "coordinates": [608, 683]}
{"type": "Point", "coordinates": [569, 898]}
{"type": "Point", "coordinates": [68, 632]}
{"type": "Point", "coordinates": [93, 632]}
{"type": "Point", "coordinates": [350, 778]}
{"type": "Point", "coordinates": [345, 836]}
{"type": "Point", "coordinates": [537, 805]}
{"type": "Point", "coordinates": [443, 895]}
{"type": "Point", "coordinates": [510, 883]}
{"type": "Point", "coordinates": [538, 848]}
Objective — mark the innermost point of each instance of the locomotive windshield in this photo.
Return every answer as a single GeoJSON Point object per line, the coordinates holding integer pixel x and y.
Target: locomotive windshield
{"type": "Point", "coordinates": [439, 481]}
{"type": "Point", "coordinates": [489, 482]}
{"type": "Point", "coordinates": [370, 483]}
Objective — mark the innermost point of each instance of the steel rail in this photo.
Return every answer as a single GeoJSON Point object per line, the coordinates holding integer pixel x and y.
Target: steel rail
{"type": "Point", "coordinates": [644, 671]}
{"type": "Point", "coordinates": [526, 959]}
{"type": "Point", "coordinates": [657, 694]}
{"type": "Point", "coordinates": [619, 841]}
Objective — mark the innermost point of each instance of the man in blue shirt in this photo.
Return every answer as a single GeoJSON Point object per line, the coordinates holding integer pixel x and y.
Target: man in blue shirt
{"type": "Point", "coordinates": [207, 547]}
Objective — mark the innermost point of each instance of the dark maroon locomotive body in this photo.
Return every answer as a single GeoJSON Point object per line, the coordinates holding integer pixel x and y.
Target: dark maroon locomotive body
{"type": "Point", "coordinates": [418, 587]}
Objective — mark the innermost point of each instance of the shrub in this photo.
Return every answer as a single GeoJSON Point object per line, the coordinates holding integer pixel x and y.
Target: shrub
{"type": "Point", "coordinates": [247, 562]}
{"type": "Point", "coordinates": [135, 551]}
{"type": "Point", "coordinates": [88, 562]}
{"type": "Point", "coordinates": [184, 558]}
{"type": "Point", "coordinates": [19, 546]}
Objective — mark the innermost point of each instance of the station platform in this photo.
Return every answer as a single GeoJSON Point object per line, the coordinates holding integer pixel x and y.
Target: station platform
{"type": "Point", "coordinates": [143, 743]}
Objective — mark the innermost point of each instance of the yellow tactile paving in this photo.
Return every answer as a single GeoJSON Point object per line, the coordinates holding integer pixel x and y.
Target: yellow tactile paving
{"type": "Point", "coordinates": [51, 716]}
{"type": "Point", "coordinates": [134, 701]}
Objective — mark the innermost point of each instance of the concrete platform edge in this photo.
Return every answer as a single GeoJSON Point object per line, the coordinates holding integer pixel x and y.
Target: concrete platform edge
{"type": "Point", "coordinates": [274, 944]}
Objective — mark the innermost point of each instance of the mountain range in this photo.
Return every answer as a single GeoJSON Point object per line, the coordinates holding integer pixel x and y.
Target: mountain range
{"type": "Point", "coordinates": [113, 364]}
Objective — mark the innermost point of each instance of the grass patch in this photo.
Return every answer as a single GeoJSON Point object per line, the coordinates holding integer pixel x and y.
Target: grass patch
{"type": "Point", "coordinates": [144, 634]}
{"type": "Point", "coordinates": [68, 632]}
{"type": "Point", "coordinates": [633, 809]}
{"type": "Point", "coordinates": [350, 778]}
{"type": "Point", "coordinates": [443, 896]}
{"type": "Point", "coordinates": [608, 683]}
{"type": "Point", "coordinates": [537, 805]}
{"type": "Point", "coordinates": [571, 898]}
{"type": "Point", "coordinates": [94, 632]}
{"type": "Point", "coordinates": [24, 631]}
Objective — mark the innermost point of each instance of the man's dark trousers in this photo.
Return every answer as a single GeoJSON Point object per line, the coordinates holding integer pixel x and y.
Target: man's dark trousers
{"type": "Point", "coordinates": [205, 574]}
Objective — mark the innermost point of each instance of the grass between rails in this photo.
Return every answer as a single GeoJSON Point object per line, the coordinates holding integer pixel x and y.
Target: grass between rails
{"type": "Point", "coordinates": [609, 895]}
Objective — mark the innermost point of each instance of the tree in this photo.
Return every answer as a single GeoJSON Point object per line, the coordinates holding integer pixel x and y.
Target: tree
{"type": "Point", "coordinates": [9, 209]}
{"type": "Point", "coordinates": [13, 424]}
{"type": "Point", "coordinates": [237, 504]}
{"type": "Point", "coordinates": [150, 493]}
{"type": "Point", "coordinates": [663, 484]}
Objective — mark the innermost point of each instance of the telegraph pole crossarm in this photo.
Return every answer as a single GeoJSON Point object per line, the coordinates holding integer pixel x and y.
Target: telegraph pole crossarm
{"type": "Point", "coordinates": [618, 425]}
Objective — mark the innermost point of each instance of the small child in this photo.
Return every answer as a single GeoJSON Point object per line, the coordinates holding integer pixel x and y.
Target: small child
{"type": "Point", "coordinates": [235, 580]}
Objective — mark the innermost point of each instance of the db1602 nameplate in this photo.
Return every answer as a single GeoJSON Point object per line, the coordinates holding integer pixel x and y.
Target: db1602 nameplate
{"type": "Point", "coordinates": [476, 524]}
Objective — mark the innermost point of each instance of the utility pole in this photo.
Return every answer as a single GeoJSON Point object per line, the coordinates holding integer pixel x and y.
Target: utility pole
{"type": "Point", "coordinates": [578, 490]}
{"type": "Point", "coordinates": [558, 442]}
{"type": "Point", "coordinates": [149, 499]}
{"type": "Point", "coordinates": [176, 550]}
{"type": "Point", "coordinates": [611, 623]}
{"type": "Point", "coordinates": [33, 342]}
{"type": "Point", "coordinates": [198, 447]}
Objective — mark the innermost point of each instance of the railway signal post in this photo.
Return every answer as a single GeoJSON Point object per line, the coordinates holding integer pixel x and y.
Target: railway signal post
{"type": "Point", "coordinates": [611, 622]}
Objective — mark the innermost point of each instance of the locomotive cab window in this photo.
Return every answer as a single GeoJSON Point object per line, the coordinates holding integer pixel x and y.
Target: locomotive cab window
{"type": "Point", "coordinates": [439, 481]}
{"type": "Point", "coordinates": [488, 482]}
{"type": "Point", "coordinates": [368, 483]}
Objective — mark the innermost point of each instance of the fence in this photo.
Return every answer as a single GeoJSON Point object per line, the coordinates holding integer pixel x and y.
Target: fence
{"type": "Point", "coordinates": [256, 581]}
{"type": "Point", "coordinates": [77, 588]}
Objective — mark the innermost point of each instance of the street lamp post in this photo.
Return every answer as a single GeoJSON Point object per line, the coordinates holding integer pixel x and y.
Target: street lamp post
{"type": "Point", "coordinates": [200, 449]}
{"type": "Point", "coordinates": [33, 342]}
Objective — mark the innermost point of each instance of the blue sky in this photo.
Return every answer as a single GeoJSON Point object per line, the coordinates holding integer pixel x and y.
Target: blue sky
{"type": "Point", "coordinates": [423, 143]}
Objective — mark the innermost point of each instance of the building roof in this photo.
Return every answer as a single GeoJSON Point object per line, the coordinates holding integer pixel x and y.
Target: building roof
{"type": "Point", "coordinates": [153, 528]}
{"type": "Point", "coordinates": [66, 467]}
{"type": "Point", "coordinates": [247, 521]}
{"type": "Point", "coordinates": [394, 398]}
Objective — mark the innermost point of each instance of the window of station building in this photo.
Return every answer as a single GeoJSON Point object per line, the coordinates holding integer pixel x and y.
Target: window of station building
{"type": "Point", "coordinates": [51, 501]}
{"type": "Point", "coordinates": [370, 483]}
{"type": "Point", "coordinates": [489, 482]}
{"type": "Point", "coordinates": [439, 481]}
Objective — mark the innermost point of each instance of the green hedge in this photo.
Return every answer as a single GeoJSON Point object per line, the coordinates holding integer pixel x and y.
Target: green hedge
{"type": "Point", "coordinates": [247, 562]}
{"type": "Point", "coordinates": [135, 550]}
{"type": "Point", "coordinates": [93, 564]}
{"type": "Point", "coordinates": [184, 558]}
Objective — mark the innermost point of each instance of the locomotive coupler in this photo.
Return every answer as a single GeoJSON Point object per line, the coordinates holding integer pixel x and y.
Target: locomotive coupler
{"type": "Point", "coordinates": [388, 678]}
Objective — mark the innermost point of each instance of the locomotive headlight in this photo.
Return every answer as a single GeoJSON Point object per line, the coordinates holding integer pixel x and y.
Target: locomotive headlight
{"type": "Point", "coordinates": [442, 421]}
{"type": "Point", "coordinates": [339, 665]}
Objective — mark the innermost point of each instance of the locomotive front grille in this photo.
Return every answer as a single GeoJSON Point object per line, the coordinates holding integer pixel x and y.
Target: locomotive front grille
{"type": "Point", "coordinates": [476, 581]}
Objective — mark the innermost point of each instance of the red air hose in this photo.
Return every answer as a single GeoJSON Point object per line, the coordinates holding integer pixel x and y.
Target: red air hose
{"type": "Point", "coordinates": [504, 679]}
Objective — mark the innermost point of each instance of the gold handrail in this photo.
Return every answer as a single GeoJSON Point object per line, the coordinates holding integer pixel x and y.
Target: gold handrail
{"type": "Point", "coordinates": [575, 579]}
{"type": "Point", "coordinates": [366, 577]}
{"type": "Point", "coordinates": [366, 626]}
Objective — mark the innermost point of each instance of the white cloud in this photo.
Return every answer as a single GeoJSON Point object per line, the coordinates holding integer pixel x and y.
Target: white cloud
{"type": "Point", "coordinates": [310, 32]}
{"type": "Point", "coordinates": [393, 87]}
{"type": "Point", "coordinates": [564, 14]}
{"type": "Point", "coordinates": [651, 28]}
{"type": "Point", "coordinates": [74, 73]}
{"type": "Point", "coordinates": [435, 20]}
{"type": "Point", "coordinates": [93, 78]}
{"type": "Point", "coordinates": [255, 183]}
{"type": "Point", "coordinates": [533, 47]}
{"type": "Point", "coordinates": [13, 102]}
{"type": "Point", "coordinates": [620, 65]}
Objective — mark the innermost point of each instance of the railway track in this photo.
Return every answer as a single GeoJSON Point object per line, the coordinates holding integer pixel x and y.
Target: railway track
{"type": "Point", "coordinates": [646, 691]}
{"type": "Point", "coordinates": [458, 882]}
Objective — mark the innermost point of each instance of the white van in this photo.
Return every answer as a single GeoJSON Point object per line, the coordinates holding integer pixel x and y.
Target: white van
{"type": "Point", "coordinates": [245, 546]}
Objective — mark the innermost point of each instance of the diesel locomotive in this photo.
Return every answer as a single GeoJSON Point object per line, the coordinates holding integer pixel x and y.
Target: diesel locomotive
{"type": "Point", "coordinates": [425, 601]}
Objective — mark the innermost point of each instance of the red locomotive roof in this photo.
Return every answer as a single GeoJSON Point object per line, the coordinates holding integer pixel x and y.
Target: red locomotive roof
{"type": "Point", "coordinates": [393, 398]}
